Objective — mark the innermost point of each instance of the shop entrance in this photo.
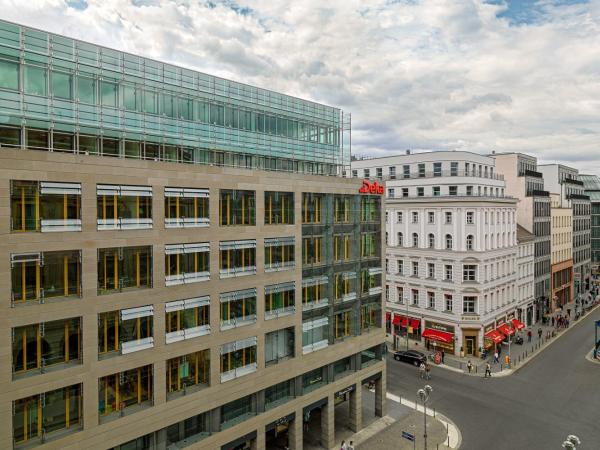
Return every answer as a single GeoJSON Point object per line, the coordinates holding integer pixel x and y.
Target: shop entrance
{"type": "Point", "coordinates": [470, 345]}
{"type": "Point", "coordinates": [311, 425]}
{"type": "Point", "coordinates": [277, 433]}
{"type": "Point", "coordinates": [247, 442]}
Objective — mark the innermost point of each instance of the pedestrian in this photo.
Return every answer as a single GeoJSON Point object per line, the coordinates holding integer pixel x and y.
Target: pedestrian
{"type": "Point", "coordinates": [351, 445]}
{"type": "Point", "coordinates": [552, 320]}
{"type": "Point", "coordinates": [496, 357]}
{"type": "Point", "coordinates": [427, 372]}
{"type": "Point", "coordinates": [469, 366]}
{"type": "Point", "coordinates": [422, 370]}
{"type": "Point", "coordinates": [569, 312]}
{"type": "Point", "coordinates": [539, 333]}
{"type": "Point", "coordinates": [443, 355]}
{"type": "Point", "coordinates": [529, 336]}
{"type": "Point", "coordinates": [488, 371]}
{"type": "Point", "coordinates": [343, 446]}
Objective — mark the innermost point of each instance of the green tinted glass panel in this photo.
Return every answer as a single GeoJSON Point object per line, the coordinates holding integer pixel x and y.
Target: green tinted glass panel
{"type": "Point", "coordinates": [62, 85]}
{"type": "Point", "coordinates": [87, 90]}
{"type": "Point", "coordinates": [35, 80]}
{"type": "Point", "coordinates": [9, 75]}
{"type": "Point", "coordinates": [150, 102]}
{"type": "Point", "coordinates": [129, 98]}
{"type": "Point", "coordinates": [109, 94]}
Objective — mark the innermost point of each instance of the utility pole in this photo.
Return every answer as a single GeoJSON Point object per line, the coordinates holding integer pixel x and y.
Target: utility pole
{"type": "Point", "coordinates": [424, 394]}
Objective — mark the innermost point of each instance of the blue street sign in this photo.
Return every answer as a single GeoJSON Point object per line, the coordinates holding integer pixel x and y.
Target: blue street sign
{"type": "Point", "coordinates": [409, 437]}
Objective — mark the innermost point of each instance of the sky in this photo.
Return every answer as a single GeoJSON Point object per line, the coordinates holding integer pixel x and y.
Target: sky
{"type": "Point", "coordinates": [476, 75]}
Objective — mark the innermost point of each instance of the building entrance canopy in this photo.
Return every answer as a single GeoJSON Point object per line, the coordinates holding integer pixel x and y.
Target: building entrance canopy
{"type": "Point", "coordinates": [437, 335]}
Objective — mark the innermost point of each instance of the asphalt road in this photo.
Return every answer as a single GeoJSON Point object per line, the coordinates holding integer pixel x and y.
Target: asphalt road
{"type": "Point", "coordinates": [554, 395]}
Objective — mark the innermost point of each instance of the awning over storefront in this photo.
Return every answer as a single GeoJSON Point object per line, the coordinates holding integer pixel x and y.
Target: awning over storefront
{"type": "Point", "coordinates": [415, 323]}
{"type": "Point", "coordinates": [495, 336]}
{"type": "Point", "coordinates": [506, 329]}
{"type": "Point", "coordinates": [437, 335]}
{"type": "Point", "coordinates": [387, 316]}
{"type": "Point", "coordinates": [404, 322]}
{"type": "Point", "coordinates": [517, 324]}
{"type": "Point", "coordinates": [396, 320]}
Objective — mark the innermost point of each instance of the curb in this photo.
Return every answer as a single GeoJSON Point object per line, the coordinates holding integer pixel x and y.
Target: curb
{"type": "Point", "coordinates": [590, 358]}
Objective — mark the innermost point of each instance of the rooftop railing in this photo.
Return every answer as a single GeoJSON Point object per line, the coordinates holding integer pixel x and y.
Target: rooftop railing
{"type": "Point", "coordinates": [439, 174]}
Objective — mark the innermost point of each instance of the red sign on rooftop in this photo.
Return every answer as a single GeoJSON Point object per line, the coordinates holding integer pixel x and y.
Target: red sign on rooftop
{"type": "Point", "coordinates": [371, 188]}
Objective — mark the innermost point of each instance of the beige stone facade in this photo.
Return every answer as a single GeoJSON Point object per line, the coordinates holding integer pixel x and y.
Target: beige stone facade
{"type": "Point", "coordinates": [95, 434]}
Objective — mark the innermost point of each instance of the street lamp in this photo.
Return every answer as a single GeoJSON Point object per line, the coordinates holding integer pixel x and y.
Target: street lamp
{"type": "Point", "coordinates": [406, 303]}
{"type": "Point", "coordinates": [424, 396]}
{"type": "Point", "coordinates": [571, 442]}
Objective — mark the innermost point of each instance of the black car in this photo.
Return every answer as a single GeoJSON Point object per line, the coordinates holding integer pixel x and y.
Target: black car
{"type": "Point", "coordinates": [410, 356]}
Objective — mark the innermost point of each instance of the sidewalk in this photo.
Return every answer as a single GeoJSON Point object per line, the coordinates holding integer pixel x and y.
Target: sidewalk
{"type": "Point", "coordinates": [519, 354]}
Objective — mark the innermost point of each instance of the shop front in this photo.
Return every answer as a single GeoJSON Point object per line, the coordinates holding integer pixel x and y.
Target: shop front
{"type": "Point", "coordinates": [491, 337]}
{"type": "Point", "coordinates": [277, 432]}
{"type": "Point", "coordinates": [470, 342]}
{"type": "Point", "coordinates": [439, 336]}
{"type": "Point", "coordinates": [246, 442]}
{"type": "Point", "coordinates": [406, 326]}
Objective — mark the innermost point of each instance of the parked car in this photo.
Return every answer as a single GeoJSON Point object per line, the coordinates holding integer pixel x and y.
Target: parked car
{"type": "Point", "coordinates": [410, 356]}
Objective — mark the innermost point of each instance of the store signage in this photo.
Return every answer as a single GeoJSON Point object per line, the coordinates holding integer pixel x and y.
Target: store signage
{"type": "Point", "coordinates": [469, 317]}
{"type": "Point", "coordinates": [439, 327]}
{"type": "Point", "coordinates": [371, 188]}
{"type": "Point", "coordinates": [344, 391]}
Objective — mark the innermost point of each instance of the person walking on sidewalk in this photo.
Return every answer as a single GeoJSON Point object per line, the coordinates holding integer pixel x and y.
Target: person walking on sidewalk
{"type": "Point", "coordinates": [351, 445]}
{"type": "Point", "coordinates": [344, 446]}
{"type": "Point", "coordinates": [529, 336]}
{"type": "Point", "coordinates": [427, 371]}
{"type": "Point", "coordinates": [443, 355]}
{"type": "Point", "coordinates": [540, 333]}
{"type": "Point", "coordinates": [422, 370]}
{"type": "Point", "coordinates": [552, 320]}
{"type": "Point", "coordinates": [488, 371]}
{"type": "Point", "coordinates": [469, 366]}
{"type": "Point", "coordinates": [496, 357]}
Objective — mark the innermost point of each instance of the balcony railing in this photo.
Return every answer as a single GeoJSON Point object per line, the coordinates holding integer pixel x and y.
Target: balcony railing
{"type": "Point", "coordinates": [315, 346]}
{"type": "Point", "coordinates": [137, 345]}
{"type": "Point", "coordinates": [238, 322]}
{"type": "Point", "coordinates": [186, 222]}
{"type": "Point", "coordinates": [280, 312]}
{"type": "Point", "coordinates": [438, 174]}
{"type": "Point", "coordinates": [237, 271]}
{"type": "Point", "coordinates": [124, 224]}
{"type": "Point", "coordinates": [57, 225]}
{"type": "Point", "coordinates": [186, 278]}
{"type": "Point", "coordinates": [315, 304]}
{"type": "Point", "coordinates": [188, 333]}
{"type": "Point", "coordinates": [239, 372]}
{"type": "Point", "coordinates": [530, 173]}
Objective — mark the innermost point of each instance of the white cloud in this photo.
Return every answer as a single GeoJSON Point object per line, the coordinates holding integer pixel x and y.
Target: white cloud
{"type": "Point", "coordinates": [433, 74]}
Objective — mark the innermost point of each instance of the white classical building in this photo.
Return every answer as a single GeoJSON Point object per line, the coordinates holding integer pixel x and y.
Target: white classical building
{"type": "Point", "coordinates": [451, 249]}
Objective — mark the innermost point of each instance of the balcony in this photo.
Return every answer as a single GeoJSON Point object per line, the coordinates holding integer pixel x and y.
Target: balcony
{"type": "Point", "coordinates": [439, 174]}
{"type": "Point", "coordinates": [538, 193]}
{"type": "Point", "coordinates": [236, 322]}
{"type": "Point", "coordinates": [531, 173]}
{"type": "Point", "coordinates": [280, 312]}
{"type": "Point", "coordinates": [239, 372]}
{"type": "Point", "coordinates": [578, 197]}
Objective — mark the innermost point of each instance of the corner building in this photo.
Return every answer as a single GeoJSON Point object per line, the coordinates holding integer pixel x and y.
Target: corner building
{"type": "Point", "coordinates": [158, 293]}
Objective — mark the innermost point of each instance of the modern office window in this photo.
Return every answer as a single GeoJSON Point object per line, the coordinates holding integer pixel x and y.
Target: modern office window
{"type": "Point", "coordinates": [10, 137]}
{"type": "Point", "coordinates": [238, 308]}
{"type": "Point", "coordinates": [238, 358]}
{"type": "Point", "coordinates": [341, 208]}
{"type": "Point", "coordinates": [237, 258]}
{"type": "Point", "coordinates": [404, 192]}
{"type": "Point", "coordinates": [431, 300]}
{"type": "Point", "coordinates": [371, 281]}
{"type": "Point", "coordinates": [415, 268]}
{"type": "Point", "coordinates": [400, 240]}
{"type": "Point", "coordinates": [279, 394]}
{"type": "Point", "coordinates": [46, 346]}
{"type": "Point", "coordinates": [279, 208]}
{"type": "Point", "coordinates": [431, 240]}
{"type": "Point", "coordinates": [314, 292]}
{"type": "Point", "coordinates": [415, 217]}
{"type": "Point", "coordinates": [188, 372]}
{"type": "Point", "coordinates": [315, 334]}
{"type": "Point", "coordinates": [62, 85]}
{"type": "Point", "coordinates": [36, 80]}
{"type": "Point", "coordinates": [187, 319]}
{"type": "Point", "coordinates": [37, 276]}
{"type": "Point", "coordinates": [312, 207]}
{"type": "Point", "coordinates": [469, 305]}
{"type": "Point", "coordinates": [370, 208]}
{"type": "Point", "coordinates": [237, 411]}
{"type": "Point", "coordinates": [469, 272]}
{"type": "Point", "coordinates": [431, 270]}
{"type": "Point", "coordinates": [454, 169]}
{"type": "Point", "coordinates": [9, 75]}
{"type": "Point", "coordinates": [470, 217]}
{"type": "Point", "coordinates": [449, 242]}
{"type": "Point", "coordinates": [122, 268]}
{"type": "Point", "coordinates": [312, 250]}
{"type": "Point", "coordinates": [237, 207]}
{"type": "Point", "coordinates": [421, 168]}
{"type": "Point", "coordinates": [186, 207]}
{"type": "Point", "coordinates": [187, 263]}
{"type": "Point", "coordinates": [354, 173]}
{"type": "Point", "coordinates": [279, 253]}
{"type": "Point", "coordinates": [119, 392]}
{"type": "Point", "coordinates": [415, 297]}
{"type": "Point", "coordinates": [125, 331]}
{"type": "Point", "coordinates": [342, 247]}
{"type": "Point", "coordinates": [370, 245]}
{"type": "Point", "coordinates": [192, 429]}
{"type": "Point", "coordinates": [415, 240]}
{"type": "Point", "coordinates": [470, 240]}
{"type": "Point", "coordinates": [314, 379]}
{"type": "Point", "coordinates": [448, 217]}
{"type": "Point", "coordinates": [436, 191]}
{"type": "Point", "coordinates": [453, 190]}
{"type": "Point", "coordinates": [448, 302]}
{"type": "Point", "coordinates": [41, 417]}
{"type": "Point", "coordinates": [280, 300]}
{"type": "Point", "coordinates": [406, 171]}
{"type": "Point", "coordinates": [45, 206]}
{"type": "Point", "coordinates": [123, 207]}
{"type": "Point", "coordinates": [342, 324]}
{"type": "Point", "coordinates": [279, 346]}
{"type": "Point", "coordinates": [448, 272]}
{"type": "Point", "coordinates": [344, 286]}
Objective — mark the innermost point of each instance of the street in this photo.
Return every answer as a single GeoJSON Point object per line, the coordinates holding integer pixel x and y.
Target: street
{"type": "Point", "coordinates": [554, 395]}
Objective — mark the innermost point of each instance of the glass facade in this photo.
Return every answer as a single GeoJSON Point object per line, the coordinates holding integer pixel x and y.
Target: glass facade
{"type": "Point", "coordinates": [279, 253]}
{"type": "Point", "coordinates": [124, 391]}
{"type": "Point", "coordinates": [124, 207]}
{"type": "Point", "coordinates": [121, 268]}
{"type": "Point", "coordinates": [237, 207]}
{"type": "Point", "coordinates": [186, 319]}
{"type": "Point", "coordinates": [238, 308]}
{"type": "Point", "coordinates": [279, 345]}
{"type": "Point", "coordinates": [238, 359]}
{"type": "Point", "coordinates": [280, 299]}
{"type": "Point", "coordinates": [189, 371]}
{"type": "Point", "coordinates": [125, 331]}
{"type": "Point", "coordinates": [187, 263]}
{"type": "Point", "coordinates": [279, 208]}
{"type": "Point", "coordinates": [186, 207]}
{"type": "Point", "coordinates": [237, 258]}
{"type": "Point", "coordinates": [97, 95]}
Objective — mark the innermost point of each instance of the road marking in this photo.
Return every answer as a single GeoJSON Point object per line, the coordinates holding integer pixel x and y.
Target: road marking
{"type": "Point", "coordinates": [454, 434]}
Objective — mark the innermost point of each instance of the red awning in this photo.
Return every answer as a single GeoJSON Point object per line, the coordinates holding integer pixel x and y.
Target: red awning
{"type": "Point", "coordinates": [396, 320]}
{"type": "Point", "coordinates": [495, 336]}
{"type": "Point", "coordinates": [437, 335]}
{"type": "Point", "coordinates": [506, 329]}
{"type": "Point", "coordinates": [387, 316]}
{"type": "Point", "coordinates": [517, 324]}
{"type": "Point", "coordinates": [404, 322]}
{"type": "Point", "coordinates": [415, 323]}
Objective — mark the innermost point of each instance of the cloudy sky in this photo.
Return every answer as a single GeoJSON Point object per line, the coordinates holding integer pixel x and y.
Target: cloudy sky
{"type": "Point", "coordinates": [504, 75]}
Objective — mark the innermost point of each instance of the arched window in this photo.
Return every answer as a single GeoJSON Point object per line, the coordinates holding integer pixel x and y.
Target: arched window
{"type": "Point", "coordinates": [470, 241]}
{"type": "Point", "coordinates": [400, 239]}
{"type": "Point", "coordinates": [448, 242]}
{"type": "Point", "coordinates": [415, 239]}
{"type": "Point", "coordinates": [431, 240]}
